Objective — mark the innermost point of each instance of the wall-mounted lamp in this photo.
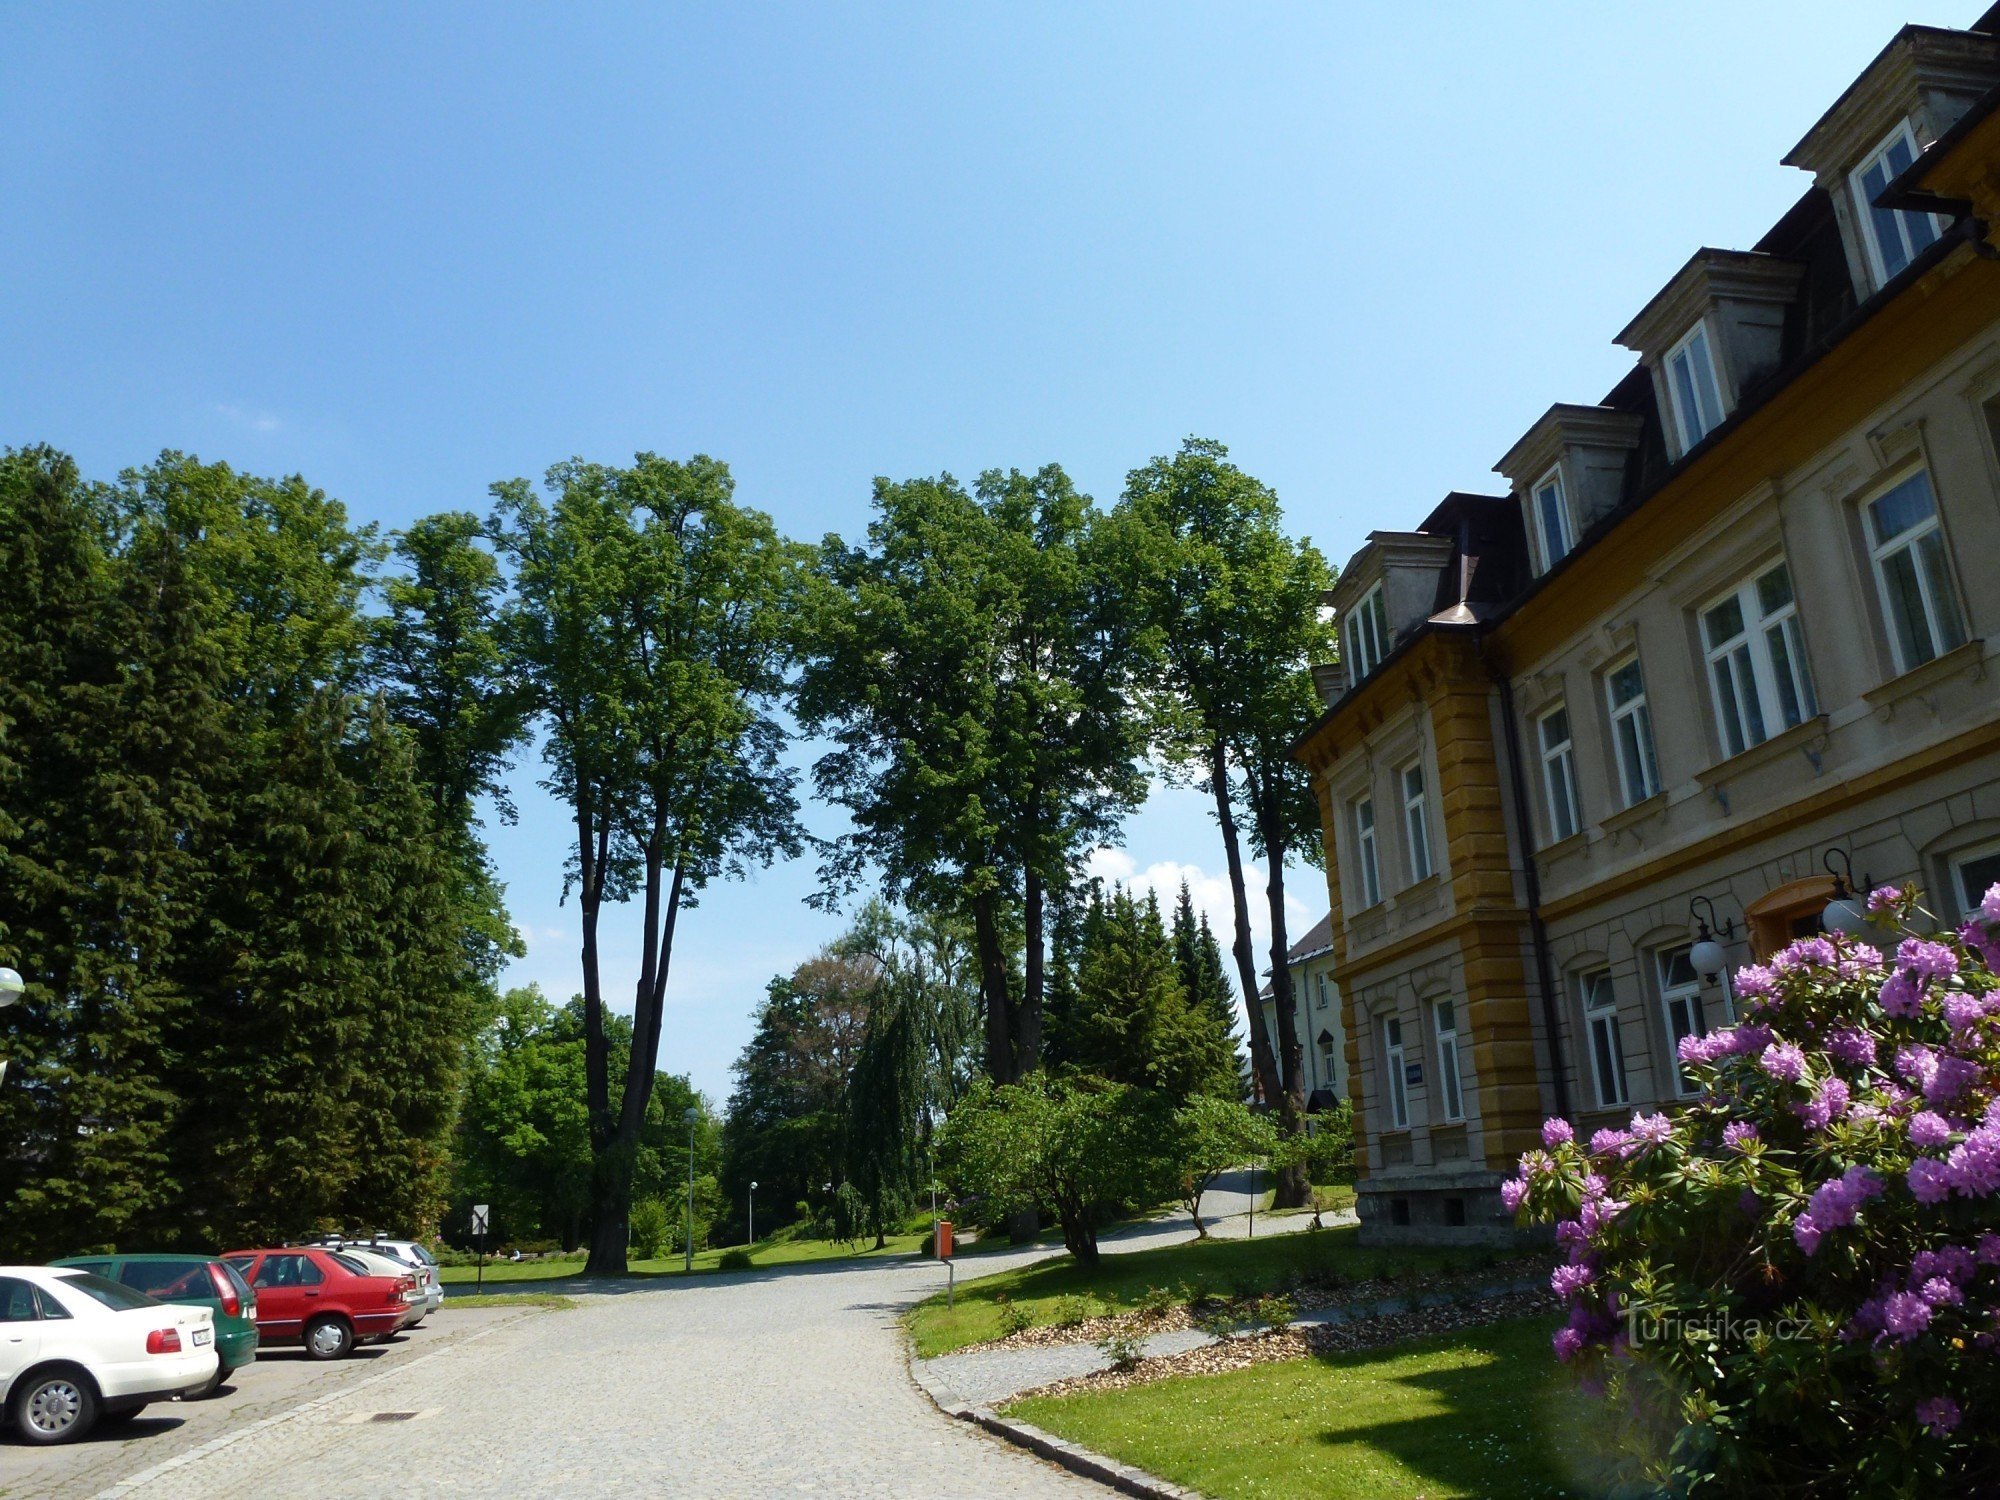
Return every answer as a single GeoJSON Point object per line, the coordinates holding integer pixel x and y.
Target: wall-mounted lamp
{"type": "Point", "coordinates": [1707, 956]}
{"type": "Point", "coordinates": [1844, 912]}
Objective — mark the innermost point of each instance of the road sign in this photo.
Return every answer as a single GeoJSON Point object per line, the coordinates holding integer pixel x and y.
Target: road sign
{"type": "Point", "coordinates": [481, 1214]}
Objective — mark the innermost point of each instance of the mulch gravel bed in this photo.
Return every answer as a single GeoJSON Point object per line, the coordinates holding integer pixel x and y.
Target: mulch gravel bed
{"type": "Point", "coordinates": [1299, 1342]}
{"type": "Point", "coordinates": [1304, 1299]}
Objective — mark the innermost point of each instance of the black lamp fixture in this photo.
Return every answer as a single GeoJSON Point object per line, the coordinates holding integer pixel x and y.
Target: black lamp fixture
{"type": "Point", "coordinates": [1845, 909]}
{"type": "Point", "coordinates": [1707, 955]}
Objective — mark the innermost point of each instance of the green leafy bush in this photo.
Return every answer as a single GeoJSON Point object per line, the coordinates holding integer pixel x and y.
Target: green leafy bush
{"type": "Point", "coordinates": [651, 1222]}
{"type": "Point", "coordinates": [1122, 1348]}
{"type": "Point", "coordinates": [735, 1260]}
{"type": "Point", "coordinates": [1793, 1287]}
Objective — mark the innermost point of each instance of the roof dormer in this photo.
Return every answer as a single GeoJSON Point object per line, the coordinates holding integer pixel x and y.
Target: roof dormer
{"type": "Point", "coordinates": [1386, 590]}
{"type": "Point", "coordinates": [1710, 334]}
{"type": "Point", "coordinates": [1905, 99]}
{"type": "Point", "coordinates": [1567, 472]}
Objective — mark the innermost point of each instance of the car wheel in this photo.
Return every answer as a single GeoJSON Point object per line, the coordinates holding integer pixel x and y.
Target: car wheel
{"type": "Point", "coordinates": [57, 1406]}
{"type": "Point", "coordinates": [328, 1338]}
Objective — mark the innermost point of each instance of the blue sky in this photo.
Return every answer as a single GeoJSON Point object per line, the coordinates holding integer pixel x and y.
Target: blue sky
{"type": "Point", "coordinates": [410, 253]}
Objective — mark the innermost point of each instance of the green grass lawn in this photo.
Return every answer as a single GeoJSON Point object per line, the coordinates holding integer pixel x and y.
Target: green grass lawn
{"type": "Point", "coordinates": [1210, 1267]}
{"type": "Point", "coordinates": [773, 1252]}
{"type": "Point", "coordinates": [1484, 1413]}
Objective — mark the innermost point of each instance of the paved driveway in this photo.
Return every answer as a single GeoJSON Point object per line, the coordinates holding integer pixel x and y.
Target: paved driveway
{"type": "Point", "coordinates": [788, 1381]}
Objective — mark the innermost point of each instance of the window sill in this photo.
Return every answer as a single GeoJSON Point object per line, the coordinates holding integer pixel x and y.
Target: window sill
{"type": "Point", "coordinates": [1639, 812]}
{"type": "Point", "coordinates": [1563, 848]}
{"type": "Point", "coordinates": [1969, 659]}
{"type": "Point", "coordinates": [1804, 738]}
{"type": "Point", "coordinates": [1418, 888]}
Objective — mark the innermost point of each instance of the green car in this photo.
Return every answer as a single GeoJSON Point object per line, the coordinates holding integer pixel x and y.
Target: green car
{"type": "Point", "coordinates": [191, 1281]}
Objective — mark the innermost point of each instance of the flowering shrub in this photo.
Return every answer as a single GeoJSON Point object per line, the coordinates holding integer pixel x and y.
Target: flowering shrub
{"type": "Point", "coordinates": [1792, 1286]}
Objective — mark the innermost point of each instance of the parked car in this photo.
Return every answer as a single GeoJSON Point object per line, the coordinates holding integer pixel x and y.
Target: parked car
{"type": "Point", "coordinates": [190, 1281]}
{"type": "Point", "coordinates": [77, 1348]}
{"type": "Point", "coordinates": [322, 1299]}
{"type": "Point", "coordinates": [415, 1258]}
{"type": "Point", "coordinates": [378, 1264]}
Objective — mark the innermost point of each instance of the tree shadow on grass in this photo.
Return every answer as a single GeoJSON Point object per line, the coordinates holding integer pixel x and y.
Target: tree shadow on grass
{"type": "Point", "coordinates": [1504, 1422]}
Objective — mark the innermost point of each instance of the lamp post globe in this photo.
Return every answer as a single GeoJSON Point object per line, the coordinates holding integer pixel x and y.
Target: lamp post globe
{"type": "Point", "coordinates": [1844, 915]}
{"type": "Point", "coordinates": [1708, 958]}
{"type": "Point", "coordinates": [12, 986]}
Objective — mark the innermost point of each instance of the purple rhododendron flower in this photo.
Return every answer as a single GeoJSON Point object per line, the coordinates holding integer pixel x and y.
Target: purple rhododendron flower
{"type": "Point", "coordinates": [1940, 1293]}
{"type": "Point", "coordinates": [1806, 1232]}
{"type": "Point", "coordinates": [1556, 1132]}
{"type": "Point", "coordinates": [1807, 953]}
{"type": "Point", "coordinates": [1738, 1134]}
{"type": "Point", "coordinates": [1567, 1281]}
{"type": "Point", "coordinates": [1963, 1011]}
{"type": "Point", "coordinates": [1982, 940]}
{"type": "Point", "coordinates": [1924, 959]}
{"type": "Point", "coordinates": [1568, 1343]}
{"type": "Point", "coordinates": [1512, 1191]}
{"type": "Point", "coordinates": [1989, 905]}
{"type": "Point", "coordinates": [1852, 1045]}
{"type": "Point", "coordinates": [1701, 1049]}
{"type": "Point", "coordinates": [1928, 1129]}
{"type": "Point", "coordinates": [1783, 1060]}
{"type": "Point", "coordinates": [1905, 1315]}
{"type": "Point", "coordinates": [1609, 1142]}
{"type": "Point", "coordinates": [1939, 1415]}
{"type": "Point", "coordinates": [1883, 897]}
{"type": "Point", "coordinates": [1650, 1130]}
{"type": "Point", "coordinates": [1950, 1077]}
{"type": "Point", "coordinates": [1900, 996]}
{"type": "Point", "coordinates": [1749, 1038]}
{"type": "Point", "coordinates": [1829, 1102]}
{"type": "Point", "coordinates": [1989, 1249]}
{"type": "Point", "coordinates": [1973, 1168]}
{"type": "Point", "coordinates": [1929, 1182]}
{"type": "Point", "coordinates": [1755, 982]}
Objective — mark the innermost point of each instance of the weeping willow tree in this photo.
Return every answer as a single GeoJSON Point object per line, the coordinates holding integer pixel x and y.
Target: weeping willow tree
{"type": "Point", "coordinates": [918, 1056]}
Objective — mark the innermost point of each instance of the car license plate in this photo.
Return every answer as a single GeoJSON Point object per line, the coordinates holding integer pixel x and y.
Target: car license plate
{"type": "Point", "coordinates": [201, 1336]}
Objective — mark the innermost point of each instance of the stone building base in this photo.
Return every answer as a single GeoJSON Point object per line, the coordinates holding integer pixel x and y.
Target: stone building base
{"type": "Point", "coordinates": [1459, 1207]}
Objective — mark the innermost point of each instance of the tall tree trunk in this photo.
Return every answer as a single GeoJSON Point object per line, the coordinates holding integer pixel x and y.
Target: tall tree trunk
{"type": "Point", "coordinates": [1269, 1082]}
{"type": "Point", "coordinates": [1028, 1015]}
{"type": "Point", "coordinates": [993, 988]}
{"type": "Point", "coordinates": [593, 846]}
{"type": "Point", "coordinates": [1294, 1182]}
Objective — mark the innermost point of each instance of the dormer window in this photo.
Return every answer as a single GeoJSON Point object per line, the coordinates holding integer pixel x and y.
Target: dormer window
{"type": "Point", "coordinates": [1552, 528]}
{"type": "Point", "coordinates": [1366, 634]}
{"type": "Point", "coordinates": [1895, 238]}
{"type": "Point", "coordinates": [1691, 383]}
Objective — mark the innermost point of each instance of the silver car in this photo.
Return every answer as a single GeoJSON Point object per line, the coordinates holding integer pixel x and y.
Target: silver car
{"type": "Point", "coordinates": [414, 1258]}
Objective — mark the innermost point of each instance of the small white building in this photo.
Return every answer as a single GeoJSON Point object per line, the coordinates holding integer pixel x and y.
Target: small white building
{"type": "Point", "coordinates": [1321, 1036]}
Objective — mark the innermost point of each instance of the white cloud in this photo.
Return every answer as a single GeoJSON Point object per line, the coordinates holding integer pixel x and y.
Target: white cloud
{"type": "Point", "coordinates": [256, 421]}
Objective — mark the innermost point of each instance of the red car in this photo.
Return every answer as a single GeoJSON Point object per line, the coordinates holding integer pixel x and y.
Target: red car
{"type": "Point", "coordinates": [325, 1300]}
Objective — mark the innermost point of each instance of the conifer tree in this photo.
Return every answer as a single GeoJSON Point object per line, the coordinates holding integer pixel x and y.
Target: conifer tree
{"type": "Point", "coordinates": [1198, 960]}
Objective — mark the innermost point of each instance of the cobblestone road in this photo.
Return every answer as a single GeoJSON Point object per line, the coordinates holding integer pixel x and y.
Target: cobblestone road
{"type": "Point", "coordinates": [760, 1385]}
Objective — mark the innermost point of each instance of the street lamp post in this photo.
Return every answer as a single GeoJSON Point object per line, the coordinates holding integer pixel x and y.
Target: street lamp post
{"type": "Point", "coordinates": [691, 1116]}
{"type": "Point", "coordinates": [11, 988]}
{"type": "Point", "coordinates": [753, 1212]}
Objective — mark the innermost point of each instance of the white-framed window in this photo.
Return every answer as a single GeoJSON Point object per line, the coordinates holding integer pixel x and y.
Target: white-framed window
{"type": "Point", "coordinates": [1757, 661]}
{"type": "Point", "coordinates": [1696, 398]}
{"type": "Point", "coordinates": [1632, 731]}
{"type": "Point", "coordinates": [1553, 532]}
{"type": "Point", "coordinates": [1559, 773]}
{"type": "Point", "coordinates": [1416, 822]}
{"type": "Point", "coordinates": [1894, 238]}
{"type": "Point", "coordinates": [1680, 1006]}
{"type": "Point", "coordinates": [1319, 1001]}
{"type": "Point", "coordinates": [1451, 1092]}
{"type": "Point", "coordinates": [1912, 572]}
{"type": "Point", "coordinates": [1973, 874]}
{"type": "Point", "coordinates": [1366, 635]}
{"type": "Point", "coordinates": [1607, 1045]}
{"type": "Point", "coordinates": [1369, 871]}
{"type": "Point", "coordinates": [1325, 1045]}
{"type": "Point", "coordinates": [1393, 1061]}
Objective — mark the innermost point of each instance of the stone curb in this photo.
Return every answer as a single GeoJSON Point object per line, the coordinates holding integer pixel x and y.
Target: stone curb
{"type": "Point", "coordinates": [1079, 1461]}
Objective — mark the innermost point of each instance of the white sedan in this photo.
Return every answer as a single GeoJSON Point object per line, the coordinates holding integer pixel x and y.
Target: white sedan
{"type": "Point", "coordinates": [76, 1348]}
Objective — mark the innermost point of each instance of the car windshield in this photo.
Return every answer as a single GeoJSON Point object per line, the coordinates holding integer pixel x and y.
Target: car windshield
{"type": "Point", "coordinates": [103, 1289]}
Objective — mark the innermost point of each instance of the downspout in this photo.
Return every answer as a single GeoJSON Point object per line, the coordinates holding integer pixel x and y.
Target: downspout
{"type": "Point", "coordinates": [1538, 930]}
